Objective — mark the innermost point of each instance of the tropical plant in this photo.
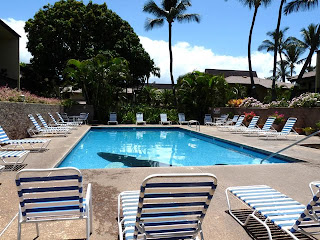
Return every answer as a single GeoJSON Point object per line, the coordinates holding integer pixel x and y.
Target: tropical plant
{"type": "Point", "coordinates": [318, 125]}
{"type": "Point", "coordinates": [166, 98]}
{"type": "Point", "coordinates": [248, 116]}
{"type": "Point", "coordinates": [279, 118]}
{"type": "Point", "coordinates": [293, 52]}
{"type": "Point", "coordinates": [148, 95]}
{"type": "Point", "coordinates": [170, 10]}
{"type": "Point", "coordinates": [306, 100]}
{"type": "Point", "coordinates": [251, 102]}
{"type": "Point", "coordinates": [308, 130]}
{"type": "Point", "coordinates": [296, 6]}
{"type": "Point", "coordinates": [256, 4]}
{"type": "Point", "coordinates": [283, 70]}
{"type": "Point", "coordinates": [234, 102]}
{"type": "Point", "coordinates": [283, 95]}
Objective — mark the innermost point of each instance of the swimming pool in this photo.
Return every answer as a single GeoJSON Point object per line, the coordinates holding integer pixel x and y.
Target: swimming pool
{"type": "Point", "coordinates": [156, 147]}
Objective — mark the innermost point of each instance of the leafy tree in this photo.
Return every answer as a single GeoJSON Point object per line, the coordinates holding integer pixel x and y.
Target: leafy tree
{"type": "Point", "coordinates": [256, 4]}
{"type": "Point", "coordinates": [169, 11]}
{"type": "Point", "coordinates": [101, 78]}
{"type": "Point", "coordinates": [293, 52]}
{"type": "Point", "coordinates": [198, 91]}
{"type": "Point", "coordinates": [70, 29]}
{"type": "Point", "coordinates": [295, 6]}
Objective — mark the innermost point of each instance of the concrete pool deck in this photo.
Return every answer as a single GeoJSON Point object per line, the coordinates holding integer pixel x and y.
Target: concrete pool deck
{"type": "Point", "coordinates": [292, 179]}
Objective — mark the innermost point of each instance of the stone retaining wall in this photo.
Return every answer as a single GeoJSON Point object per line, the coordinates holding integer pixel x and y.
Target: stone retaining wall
{"type": "Point", "coordinates": [14, 116]}
{"type": "Point", "coordinates": [307, 117]}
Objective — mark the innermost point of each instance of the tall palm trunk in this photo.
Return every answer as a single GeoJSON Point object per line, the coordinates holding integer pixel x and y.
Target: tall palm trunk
{"type": "Point", "coordinates": [171, 61]}
{"type": "Point", "coordinates": [274, 94]}
{"type": "Point", "coordinates": [253, 87]}
{"type": "Point", "coordinates": [283, 71]}
{"type": "Point", "coordinates": [308, 60]}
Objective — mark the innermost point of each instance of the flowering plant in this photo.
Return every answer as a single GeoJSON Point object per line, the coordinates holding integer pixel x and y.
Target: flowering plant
{"type": "Point", "coordinates": [234, 102]}
{"type": "Point", "coordinates": [248, 116]}
{"type": "Point", "coordinates": [251, 102]}
{"type": "Point", "coordinates": [305, 100]}
{"type": "Point", "coordinates": [279, 118]}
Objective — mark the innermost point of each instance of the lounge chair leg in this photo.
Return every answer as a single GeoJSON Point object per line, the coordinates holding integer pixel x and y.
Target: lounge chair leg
{"type": "Point", "coordinates": [88, 228]}
{"type": "Point", "coordinates": [19, 230]}
{"type": "Point", "coordinates": [37, 227]}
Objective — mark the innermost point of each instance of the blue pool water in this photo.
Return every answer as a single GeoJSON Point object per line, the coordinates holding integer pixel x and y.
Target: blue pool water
{"type": "Point", "coordinates": [162, 147]}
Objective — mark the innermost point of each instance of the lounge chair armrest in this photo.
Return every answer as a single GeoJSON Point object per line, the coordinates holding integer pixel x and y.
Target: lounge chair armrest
{"type": "Point", "coordinates": [89, 195]}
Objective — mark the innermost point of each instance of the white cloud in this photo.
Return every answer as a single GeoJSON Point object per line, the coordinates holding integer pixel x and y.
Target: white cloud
{"type": "Point", "coordinates": [18, 27]}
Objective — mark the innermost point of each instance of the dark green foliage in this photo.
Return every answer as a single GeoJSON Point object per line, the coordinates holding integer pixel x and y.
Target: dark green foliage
{"type": "Point", "coordinates": [70, 29]}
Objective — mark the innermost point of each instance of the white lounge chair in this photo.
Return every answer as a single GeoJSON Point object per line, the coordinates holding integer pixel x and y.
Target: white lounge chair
{"type": "Point", "coordinates": [45, 131]}
{"type": "Point", "coordinates": [208, 120]}
{"type": "Point", "coordinates": [231, 127]}
{"type": "Point", "coordinates": [76, 123]}
{"type": "Point", "coordinates": [83, 117]}
{"type": "Point", "coordinates": [113, 118]}
{"type": "Point", "coordinates": [227, 122]}
{"type": "Point", "coordinates": [53, 195]}
{"type": "Point", "coordinates": [252, 125]}
{"type": "Point", "coordinates": [13, 144]}
{"type": "Point", "coordinates": [168, 206]}
{"type": "Point", "coordinates": [139, 117]}
{"type": "Point", "coordinates": [13, 158]}
{"type": "Point", "coordinates": [289, 215]}
{"type": "Point", "coordinates": [221, 120]}
{"type": "Point", "coordinates": [182, 119]}
{"type": "Point", "coordinates": [58, 124]}
{"type": "Point", "coordinates": [46, 126]}
{"type": "Point", "coordinates": [266, 127]}
{"type": "Point", "coordinates": [285, 132]}
{"type": "Point", "coordinates": [164, 119]}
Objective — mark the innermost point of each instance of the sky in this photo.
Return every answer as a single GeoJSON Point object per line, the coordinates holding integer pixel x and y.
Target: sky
{"type": "Point", "coordinates": [219, 41]}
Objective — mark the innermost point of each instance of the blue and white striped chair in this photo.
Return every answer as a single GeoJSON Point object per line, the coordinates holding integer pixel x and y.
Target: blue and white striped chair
{"type": "Point", "coordinates": [266, 127]}
{"type": "Point", "coordinates": [46, 126]}
{"type": "Point", "coordinates": [77, 123]}
{"type": "Point", "coordinates": [45, 131]}
{"type": "Point", "coordinates": [57, 124]}
{"type": "Point", "coordinates": [286, 213]}
{"type": "Point", "coordinates": [53, 195]}
{"type": "Point", "coordinates": [285, 132]}
{"type": "Point", "coordinates": [13, 158]}
{"type": "Point", "coordinates": [238, 124]}
{"type": "Point", "coordinates": [168, 206]}
{"type": "Point", "coordinates": [252, 125]}
{"type": "Point", "coordinates": [4, 140]}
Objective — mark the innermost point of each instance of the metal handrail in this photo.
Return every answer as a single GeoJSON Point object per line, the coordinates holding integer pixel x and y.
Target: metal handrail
{"type": "Point", "coordinates": [291, 145]}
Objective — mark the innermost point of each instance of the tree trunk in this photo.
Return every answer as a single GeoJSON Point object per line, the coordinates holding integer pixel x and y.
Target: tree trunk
{"type": "Point", "coordinates": [283, 72]}
{"type": "Point", "coordinates": [308, 60]}
{"type": "Point", "coordinates": [171, 61]}
{"type": "Point", "coordinates": [274, 94]}
{"type": "Point", "coordinates": [253, 87]}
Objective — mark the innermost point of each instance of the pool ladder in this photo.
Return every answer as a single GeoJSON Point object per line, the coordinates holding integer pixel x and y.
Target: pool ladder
{"type": "Point", "coordinates": [194, 122]}
{"type": "Point", "coordinates": [290, 146]}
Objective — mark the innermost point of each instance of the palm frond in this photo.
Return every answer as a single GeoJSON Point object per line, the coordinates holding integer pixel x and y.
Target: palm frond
{"type": "Point", "coordinates": [297, 5]}
{"type": "Point", "coordinates": [153, 8]}
{"type": "Point", "coordinates": [151, 23]}
{"type": "Point", "coordinates": [168, 4]}
{"type": "Point", "coordinates": [188, 17]}
{"type": "Point", "coordinates": [183, 5]}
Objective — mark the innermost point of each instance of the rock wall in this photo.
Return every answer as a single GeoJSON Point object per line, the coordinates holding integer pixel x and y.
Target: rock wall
{"type": "Point", "coordinates": [14, 116]}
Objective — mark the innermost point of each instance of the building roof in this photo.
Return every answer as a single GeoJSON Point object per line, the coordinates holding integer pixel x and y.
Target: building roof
{"type": "Point", "coordinates": [228, 73]}
{"type": "Point", "coordinates": [266, 83]}
{"type": "Point", "coordinates": [9, 29]}
{"type": "Point", "coordinates": [160, 85]}
{"type": "Point", "coordinates": [306, 75]}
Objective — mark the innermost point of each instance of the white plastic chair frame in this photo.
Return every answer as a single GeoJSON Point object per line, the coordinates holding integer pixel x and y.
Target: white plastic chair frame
{"type": "Point", "coordinates": [164, 119]}
{"type": "Point", "coordinates": [57, 124]}
{"type": "Point", "coordinates": [54, 194]}
{"type": "Point", "coordinates": [182, 119]}
{"type": "Point", "coordinates": [44, 131]}
{"type": "Point", "coordinates": [208, 120]}
{"type": "Point", "coordinates": [113, 118]}
{"type": "Point", "coordinates": [139, 117]}
{"type": "Point", "coordinates": [168, 206]}
{"type": "Point", "coordinates": [6, 157]}
{"type": "Point", "coordinates": [68, 123]}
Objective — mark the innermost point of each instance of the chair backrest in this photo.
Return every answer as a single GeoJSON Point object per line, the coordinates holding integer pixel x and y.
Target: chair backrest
{"type": "Point", "coordinates": [113, 117]}
{"type": "Point", "coordinates": [216, 111]}
{"type": "Point", "coordinates": [60, 117]}
{"type": "Point", "coordinates": [182, 117]}
{"type": "Point", "coordinates": [267, 125]}
{"type": "Point", "coordinates": [35, 123]}
{"type": "Point", "coordinates": [176, 200]}
{"type": "Point", "coordinates": [53, 119]}
{"type": "Point", "coordinates": [235, 118]}
{"type": "Point", "coordinates": [3, 135]}
{"type": "Point", "coordinates": [42, 120]}
{"type": "Point", "coordinates": [163, 117]}
{"type": "Point", "coordinates": [253, 122]}
{"type": "Point", "coordinates": [207, 118]}
{"type": "Point", "coordinates": [239, 121]}
{"type": "Point", "coordinates": [83, 116]}
{"type": "Point", "coordinates": [289, 125]}
{"type": "Point", "coordinates": [139, 117]}
{"type": "Point", "coordinates": [50, 194]}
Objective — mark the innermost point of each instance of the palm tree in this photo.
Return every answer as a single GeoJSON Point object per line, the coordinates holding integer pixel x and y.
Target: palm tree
{"type": "Point", "coordinates": [170, 11]}
{"type": "Point", "coordinates": [256, 4]}
{"type": "Point", "coordinates": [276, 37]}
{"type": "Point", "coordinates": [293, 52]}
{"type": "Point", "coordinates": [295, 6]}
{"type": "Point", "coordinates": [269, 45]}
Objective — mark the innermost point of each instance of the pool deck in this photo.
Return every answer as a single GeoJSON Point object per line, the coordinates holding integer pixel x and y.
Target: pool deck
{"type": "Point", "coordinates": [291, 179]}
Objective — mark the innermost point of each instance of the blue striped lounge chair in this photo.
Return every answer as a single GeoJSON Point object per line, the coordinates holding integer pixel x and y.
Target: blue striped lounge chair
{"type": "Point", "coordinates": [266, 127]}
{"type": "Point", "coordinates": [285, 132]}
{"type": "Point", "coordinates": [182, 119]}
{"type": "Point", "coordinates": [164, 119]}
{"type": "Point", "coordinates": [222, 120]}
{"type": "Point", "coordinates": [6, 143]}
{"type": "Point", "coordinates": [45, 131]}
{"type": "Point", "coordinates": [139, 117]}
{"type": "Point", "coordinates": [53, 195]}
{"type": "Point", "coordinates": [237, 124]}
{"type": "Point", "coordinates": [113, 118]}
{"type": "Point", "coordinates": [289, 215]}
{"type": "Point", "coordinates": [168, 206]}
{"type": "Point", "coordinates": [58, 124]}
{"type": "Point", "coordinates": [46, 126]}
{"type": "Point", "coordinates": [252, 125]}
{"type": "Point", "coordinates": [76, 123]}
{"type": "Point", "coordinates": [208, 120]}
{"type": "Point", "coordinates": [13, 158]}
